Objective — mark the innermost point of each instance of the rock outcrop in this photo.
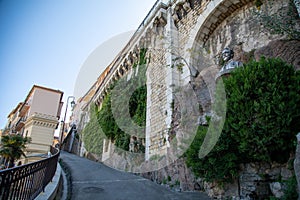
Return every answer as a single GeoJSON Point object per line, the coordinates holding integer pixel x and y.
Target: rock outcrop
{"type": "Point", "coordinates": [287, 50]}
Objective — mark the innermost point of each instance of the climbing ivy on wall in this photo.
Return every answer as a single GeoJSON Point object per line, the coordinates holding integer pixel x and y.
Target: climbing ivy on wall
{"type": "Point", "coordinates": [109, 126]}
{"type": "Point", "coordinates": [92, 135]}
{"type": "Point", "coordinates": [138, 100]}
{"type": "Point", "coordinates": [262, 120]}
{"type": "Point", "coordinates": [137, 108]}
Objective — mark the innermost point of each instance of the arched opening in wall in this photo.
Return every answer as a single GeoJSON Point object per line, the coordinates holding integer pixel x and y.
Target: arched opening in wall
{"type": "Point", "coordinates": [243, 27]}
{"type": "Point", "coordinates": [226, 24]}
{"type": "Point", "coordinates": [234, 25]}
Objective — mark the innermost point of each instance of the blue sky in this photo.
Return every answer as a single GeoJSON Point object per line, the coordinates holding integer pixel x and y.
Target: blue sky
{"type": "Point", "coordinates": [46, 42]}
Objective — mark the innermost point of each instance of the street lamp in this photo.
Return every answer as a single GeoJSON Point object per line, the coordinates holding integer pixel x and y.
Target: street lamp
{"type": "Point", "coordinates": [64, 121]}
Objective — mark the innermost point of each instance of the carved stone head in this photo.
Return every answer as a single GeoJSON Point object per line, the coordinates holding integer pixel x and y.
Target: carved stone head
{"type": "Point", "coordinates": [227, 54]}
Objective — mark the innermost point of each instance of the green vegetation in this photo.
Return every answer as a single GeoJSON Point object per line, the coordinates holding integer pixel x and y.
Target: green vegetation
{"type": "Point", "coordinates": [258, 3]}
{"type": "Point", "coordinates": [283, 22]}
{"type": "Point", "coordinates": [12, 148]}
{"type": "Point", "coordinates": [137, 106]}
{"type": "Point", "coordinates": [262, 119]}
{"type": "Point", "coordinates": [221, 164]}
{"type": "Point", "coordinates": [92, 134]}
{"type": "Point", "coordinates": [109, 126]}
{"type": "Point", "coordinates": [291, 190]}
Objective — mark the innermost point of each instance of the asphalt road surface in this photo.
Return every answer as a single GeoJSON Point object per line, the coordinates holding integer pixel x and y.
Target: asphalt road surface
{"type": "Point", "coordinates": [92, 180]}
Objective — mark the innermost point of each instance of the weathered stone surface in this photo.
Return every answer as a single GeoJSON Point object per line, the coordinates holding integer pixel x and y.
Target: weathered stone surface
{"type": "Point", "coordinates": [288, 50]}
{"type": "Point", "coordinates": [248, 184]}
{"type": "Point", "coordinates": [297, 164]}
{"type": "Point", "coordinates": [237, 28]}
{"type": "Point", "coordinates": [197, 186]}
{"type": "Point", "coordinates": [286, 173]}
{"type": "Point", "coordinates": [297, 4]}
{"type": "Point", "coordinates": [258, 181]}
{"type": "Point", "coordinates": [277, 189]}
{"type": "Point", "coordinates": [204, 87]}
{"type": "Point", "coordinates": [176, 176]}
{"type": "Point", "coordinates": [214, 190]}
{"type": "Point", "coordinates": [274, 173]}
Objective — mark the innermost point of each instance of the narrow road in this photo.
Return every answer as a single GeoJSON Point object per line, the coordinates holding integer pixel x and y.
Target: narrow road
{"type": "Point", "coordinates": [92, 180]}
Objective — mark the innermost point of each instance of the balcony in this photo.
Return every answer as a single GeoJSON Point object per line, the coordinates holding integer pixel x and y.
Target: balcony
{"type": "Point", "coordinates": [20, 124]}
{"type": "Point", "coordinates": [24, 110]}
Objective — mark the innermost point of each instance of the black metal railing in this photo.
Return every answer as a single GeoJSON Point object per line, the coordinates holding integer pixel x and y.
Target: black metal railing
{"type": "Point", "coordinates": [28, 181]}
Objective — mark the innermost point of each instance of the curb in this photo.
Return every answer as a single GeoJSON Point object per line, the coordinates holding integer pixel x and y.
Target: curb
{"type": "Point", "coordinates": [51, 188]}
{"type": "Point", "coordinates": [64, 195]}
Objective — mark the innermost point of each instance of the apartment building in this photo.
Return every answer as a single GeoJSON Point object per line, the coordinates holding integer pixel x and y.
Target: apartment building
{"type": "Point", "coordinates": [37, 117]}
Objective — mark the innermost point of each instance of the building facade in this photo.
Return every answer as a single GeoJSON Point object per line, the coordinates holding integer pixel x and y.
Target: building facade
{"type": "Point", "coordinates": [37, 117]}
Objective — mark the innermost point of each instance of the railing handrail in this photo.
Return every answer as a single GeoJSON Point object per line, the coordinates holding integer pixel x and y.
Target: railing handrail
{"type": "Point", "coordinates": [29, 180]}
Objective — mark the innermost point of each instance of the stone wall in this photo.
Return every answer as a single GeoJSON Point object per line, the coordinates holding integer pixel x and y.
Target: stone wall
{"type": "Point", "coordinates": [297, 164]}
{"type": "Point", "coordinates": [176, 176]}
{"type": "Point", "coordinates": [255, 180]}
{"type": "Point", "coordinates": [199, 30]}
{"type": "Point", "coordinates": [241, 30]}
{"type": "Point", "coordinates": [156, 107]}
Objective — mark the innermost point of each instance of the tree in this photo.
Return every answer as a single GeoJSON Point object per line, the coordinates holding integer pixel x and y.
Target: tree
{"type": "Point", "coordinates": [262, 120]}
{"type": "Point", "coordinates": [263, 109]}
{"type": "Point", "coordinates": [12, 148]}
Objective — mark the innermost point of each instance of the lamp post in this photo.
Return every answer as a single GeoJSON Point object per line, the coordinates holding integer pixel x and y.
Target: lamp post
{"type": "Point", "coordinates": [64, 121]}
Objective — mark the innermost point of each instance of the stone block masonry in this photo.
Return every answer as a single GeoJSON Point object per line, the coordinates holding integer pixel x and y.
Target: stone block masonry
{"type": "Point", "coordinates": [196, 31]}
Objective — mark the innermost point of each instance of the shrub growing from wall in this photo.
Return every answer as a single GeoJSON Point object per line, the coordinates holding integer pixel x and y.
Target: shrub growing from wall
{"type": "Point", "coordinates": [262, 119]}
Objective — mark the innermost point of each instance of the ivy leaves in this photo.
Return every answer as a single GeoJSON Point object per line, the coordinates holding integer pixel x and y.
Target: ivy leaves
{"type": "Point", "coordinates": [126, 96]}
{"type": "Point", "coordinates": [92, 134]}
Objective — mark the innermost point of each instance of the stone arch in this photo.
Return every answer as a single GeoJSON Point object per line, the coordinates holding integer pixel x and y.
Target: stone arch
{"type": "Point", "coordinates": [207, 22]}
{"type": "Point", "coordinates": [227, 23]}
{"type": "Point", "coordinates": [121, 72]}
{"type": "Point", "coordinates": [122, 67]}
{"type": "Point", "coordinates": [130, 58]}
{"type": "Point", "coordinates": [211, 17]}
{"type": "Point", "coordinates": [98, 101]}
{"type": "Point", "coordinates": [217, 15]}
{"type": "Point", "coordinates": [116, 76]}
{"type": "Point", "coordinates": [125, 64]}
{"type": "Point", "coordinates": [135, 54]}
